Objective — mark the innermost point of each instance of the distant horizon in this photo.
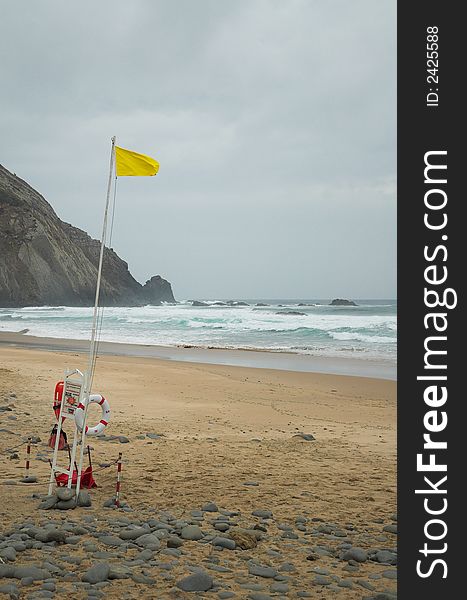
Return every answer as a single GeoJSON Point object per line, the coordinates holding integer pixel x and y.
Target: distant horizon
{"type": "Point", "coordinates": [250, 300]}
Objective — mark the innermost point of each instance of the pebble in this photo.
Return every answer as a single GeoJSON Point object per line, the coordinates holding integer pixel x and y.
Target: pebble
{"type": "Point", "coordinates": [8, 553]}
{"type": "Point", "coordinates": [219, 569]}
{"type": "Point", "coordinates": [98, 572]}
{"type": "Point", "coordinates": [171, 552]}
{"type": "Point", "coordinates": [261, 571]}
{"type": "Point", "coordinates": [145, 555]}
{"type": "Point", "coordinates": [308, 437]}
{"type": "Point", "coordinates": [350, 568]}
{"type": "Point", "coordinates": [313, 556]}
{"type": "Point", "coordinates": [196, 582]}
{"type": "Point", "coordinates": [103, 555]}
{"type": "Point", "coordinates": [357, 554]}
{"type": "Point", "coordinates": [289, 535]}
{"type": "Point", "coordinates": [385, 557]}
{"type": "Point", "coordinates": [253, 587]}
{"type": "Point", "coordinates": [35, 573]}
{"type": "Point", "coordinates": [64, 493]}
{"type": "Point", "coordinates": [109, 503]}
{"type": "Point", "coordinates": [139, 578]}
{"type": "Point", "coordinates": [51, 568]}
{"type": "Point", "coordinates": [174, 542]}
{"type": "Point", "coordinates": [84, 498]}
{"type": "Point", "coordinates": [51, 535]}
{"type": "Point", "coordinates": [278, 587]}
{"type": "Point", "coordinates": [10, 589]}
{"type": "Point", "coordinates": [210, 507]}
{"type": "Point", "coordinates": [264, 514]}
{"type": "Point", "coordinates": [66, 504]}
{"type": "Point", "coordinates": [389, 574]}
{"type": "Point", "coordinates": [118, 572]}
{"type": "Point", "coordinates": [6, 570]}
{"type": "Point", "coordinates": [224, 543]}
{"type": "Point", "coordinates": [110, 540]}
{"type": "Point", "coordinates": [73, 560]}
{"type": "Point", "coordinates": [320, 571]}
{"type": "Point", "coordinates": [132, 534]}
{"type": "Point", "coordinates": [392, 528]}
{"type": "Point", "coordinates": [149, 541]}
{"type": "Point", "coordinates": [192, 532]}
{"type": "Point", "coordinates": [366, 584]}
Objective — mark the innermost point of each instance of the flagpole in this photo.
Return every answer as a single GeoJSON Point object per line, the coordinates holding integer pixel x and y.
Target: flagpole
{"type": "Point", "coordinates": [92, 347]}
{"type": "Point", "coordinates": [99, 270]}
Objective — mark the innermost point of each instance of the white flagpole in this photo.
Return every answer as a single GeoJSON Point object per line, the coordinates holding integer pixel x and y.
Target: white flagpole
{"type": "Point", "coordinates": [99, 270]}
{"type": "Point", "coordinates": [92, 348]}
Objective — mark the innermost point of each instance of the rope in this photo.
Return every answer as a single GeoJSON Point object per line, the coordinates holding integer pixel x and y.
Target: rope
{"type": "Point", "coordinates": [100, 314]}
{"type": "Point", "coordinates": [113, 212]}
{"type": "Point", "coordinates": [100, 469]}
{"type": "Point", "coordinates": [10, 450]}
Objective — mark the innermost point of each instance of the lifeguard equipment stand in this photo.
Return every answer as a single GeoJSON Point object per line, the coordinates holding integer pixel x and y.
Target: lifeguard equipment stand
{"type": "Point", "coordinates": [72, 394]}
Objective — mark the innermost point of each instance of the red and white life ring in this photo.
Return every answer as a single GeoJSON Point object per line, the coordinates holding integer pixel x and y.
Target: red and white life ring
{"type": "Point", "coordinates": [105, 407]}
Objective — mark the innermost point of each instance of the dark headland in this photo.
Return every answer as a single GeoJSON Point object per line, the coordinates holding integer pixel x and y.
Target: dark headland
{"type": "Point", "coordinates": [45, 261]}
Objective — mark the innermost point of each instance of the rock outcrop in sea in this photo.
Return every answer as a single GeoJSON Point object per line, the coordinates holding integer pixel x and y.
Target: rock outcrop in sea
{"type": "Point", "coordinates": [45, 261]}
{"type": "Point", "coordinates": [342, 302]}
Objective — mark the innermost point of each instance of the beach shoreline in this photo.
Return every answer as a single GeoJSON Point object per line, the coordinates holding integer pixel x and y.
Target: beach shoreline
{"type": "Point", "coordinates": [265, 359]}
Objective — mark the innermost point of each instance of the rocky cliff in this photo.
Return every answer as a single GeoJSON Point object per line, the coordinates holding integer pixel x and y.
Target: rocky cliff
{"type": "Point", "coordinates": [44, 261]}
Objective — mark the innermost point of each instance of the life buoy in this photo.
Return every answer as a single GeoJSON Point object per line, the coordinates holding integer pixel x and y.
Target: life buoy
{"type": "Point", "coordinates": [105, 407]}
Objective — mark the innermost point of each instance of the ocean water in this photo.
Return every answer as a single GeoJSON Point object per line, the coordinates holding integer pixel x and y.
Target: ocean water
{"type": "Point", "coordinates": [368, 330]}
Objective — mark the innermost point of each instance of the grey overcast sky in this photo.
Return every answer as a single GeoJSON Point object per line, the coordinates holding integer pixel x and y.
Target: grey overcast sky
{"type": "Point", "coordinates": [274, 123]}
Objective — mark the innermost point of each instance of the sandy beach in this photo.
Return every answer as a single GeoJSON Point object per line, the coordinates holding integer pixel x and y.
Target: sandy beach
{"type": "Point", "coordinates": [231, 436]}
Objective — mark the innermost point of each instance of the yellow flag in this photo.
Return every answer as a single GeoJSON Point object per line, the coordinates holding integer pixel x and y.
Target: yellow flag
{"type": "Point", "coordinates": [129, 163]}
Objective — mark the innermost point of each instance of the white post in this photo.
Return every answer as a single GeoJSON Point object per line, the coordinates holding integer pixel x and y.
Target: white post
{"type": "Point", "coordinates": [92, 348]}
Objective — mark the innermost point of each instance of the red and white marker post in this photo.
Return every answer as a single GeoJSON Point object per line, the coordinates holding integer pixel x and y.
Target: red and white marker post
{"type": "Point", "coordinates": [119, 471]}
{"type": "Point", "coordinates": [28, 457]}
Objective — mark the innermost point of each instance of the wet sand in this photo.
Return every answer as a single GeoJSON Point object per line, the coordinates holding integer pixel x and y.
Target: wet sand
{"type": "Point", "coordinates": [287, 361]}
